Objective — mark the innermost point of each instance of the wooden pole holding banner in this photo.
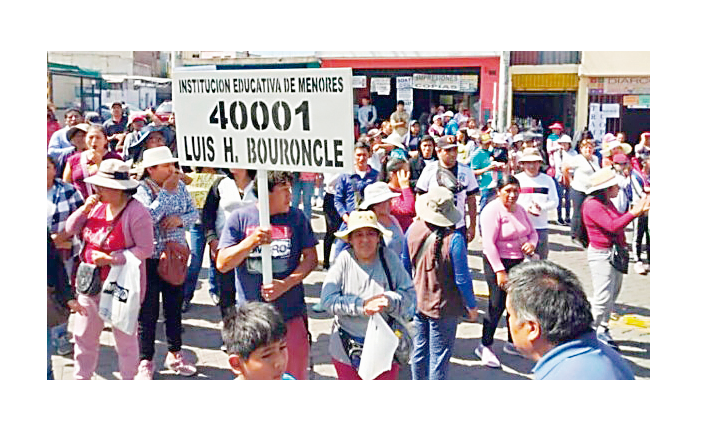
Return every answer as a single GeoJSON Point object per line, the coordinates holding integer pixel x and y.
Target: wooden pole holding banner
{"type": "Point", "coordinates": [263, 199]}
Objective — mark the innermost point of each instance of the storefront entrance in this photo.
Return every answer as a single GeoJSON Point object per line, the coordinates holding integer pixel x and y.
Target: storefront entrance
{"type": "Point", "coordinates": [547, 107]}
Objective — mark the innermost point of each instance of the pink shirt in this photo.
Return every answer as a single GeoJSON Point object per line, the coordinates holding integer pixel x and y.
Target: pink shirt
{"type": "Point", "coordinates": [402, 207]}
{"type": "Point", "coordinates": [604, 224]}
{"type": "Point", "coordinates": [505, 232]}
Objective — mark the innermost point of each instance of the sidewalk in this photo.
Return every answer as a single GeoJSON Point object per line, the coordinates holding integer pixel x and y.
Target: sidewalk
{"type": "Point", "coordinates": [201, 337]}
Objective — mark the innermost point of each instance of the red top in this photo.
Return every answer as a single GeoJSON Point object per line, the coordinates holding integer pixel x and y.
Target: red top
{"type": "Point", "coordinates": [94, 231]}
{"type": "Point", "coordinates": [52, 126]}
{"type": "Point", "coordinates": [77, 175]}
{"type": "Point", "coordinates": [402, 207]}
{"type": "Point", "coordinates": [604, 224]}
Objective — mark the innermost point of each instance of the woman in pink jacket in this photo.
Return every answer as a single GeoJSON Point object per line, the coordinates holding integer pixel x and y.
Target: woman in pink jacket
{"type": "Point", "coordinates": [109, 223]}
{"type": "Point", "coordinates": [508, 236]}
{"type": "Point", "coordinates": [395, 172]}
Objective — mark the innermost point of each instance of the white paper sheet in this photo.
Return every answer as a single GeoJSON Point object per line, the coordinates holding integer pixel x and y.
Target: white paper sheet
{"type": "Point", "coordinates": [378, 350]}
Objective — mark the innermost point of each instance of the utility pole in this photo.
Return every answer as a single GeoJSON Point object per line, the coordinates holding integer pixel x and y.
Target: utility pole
{"type": "Point", "coordinates": [503, 121]}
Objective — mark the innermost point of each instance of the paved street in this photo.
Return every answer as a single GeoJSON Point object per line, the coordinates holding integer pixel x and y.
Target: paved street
{"type": "Point", "coordinates": [201, 338]}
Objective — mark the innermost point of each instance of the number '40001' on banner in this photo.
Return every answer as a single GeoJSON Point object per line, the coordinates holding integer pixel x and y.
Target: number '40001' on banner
{"type": "Point", "coordinates": [283, 119]}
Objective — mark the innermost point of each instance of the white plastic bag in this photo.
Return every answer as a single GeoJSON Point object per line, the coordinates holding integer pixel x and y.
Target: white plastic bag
{"type": "Point", "coordinates": [120, 296]}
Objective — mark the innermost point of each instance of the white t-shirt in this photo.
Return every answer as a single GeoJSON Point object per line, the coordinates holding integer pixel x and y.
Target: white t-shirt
{"type": "Point", "coordinates": [583, 169]}
{"type": "Point", "coordinates": [464, 175]}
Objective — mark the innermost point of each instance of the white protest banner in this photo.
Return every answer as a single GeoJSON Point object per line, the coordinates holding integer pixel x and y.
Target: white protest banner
{"type": "Point", "coordinates": [265, 119]}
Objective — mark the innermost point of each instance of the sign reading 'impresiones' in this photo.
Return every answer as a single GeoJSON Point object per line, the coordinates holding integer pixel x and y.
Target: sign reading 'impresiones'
{"type": "Point", "coordinates": [290, 119]}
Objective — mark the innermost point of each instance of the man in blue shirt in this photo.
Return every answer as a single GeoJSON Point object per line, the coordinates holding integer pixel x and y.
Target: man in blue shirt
{"type": "Point", "coordinates": [550, 319]}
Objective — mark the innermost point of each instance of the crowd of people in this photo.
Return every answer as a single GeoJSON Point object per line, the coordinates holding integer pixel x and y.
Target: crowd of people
{"type": "Point", "coordinates": [399, 227]}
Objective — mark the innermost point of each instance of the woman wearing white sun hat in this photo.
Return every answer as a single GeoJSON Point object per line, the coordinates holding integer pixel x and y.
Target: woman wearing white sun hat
{"type": "Point", "coordinates": [109, 224]}
{"type": "Point", "coordinates": [604, 226]}
{"type": "Point", "coordinates": [172, 210]}
{"type": "Point", "coordinates": [357, 286]}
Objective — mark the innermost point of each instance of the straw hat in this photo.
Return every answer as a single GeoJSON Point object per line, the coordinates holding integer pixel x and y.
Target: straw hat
{"type": "Point", "coordinates": [358, 220]}
{"type": "Point", "coordinates": [437, 207]}
{"type": "Point", "coordinates": [615, 143]}
{"type": "Point", "coordinates": [531, 154]}
{"type": "Point", "coordinates": [114, 174]}
{"type": "Point", "coordinates": [376, 193]}
{"type": "Point", "coordinates": [603, 178]}
{"type": "Point", "coordinates": [156, 156]}
{"type": "Point", "coordinates": [395, 140]}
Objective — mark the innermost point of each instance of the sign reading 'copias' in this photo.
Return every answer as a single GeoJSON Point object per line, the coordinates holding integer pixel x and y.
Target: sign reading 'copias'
{"type": "Point", "coordinates": [291, 119]}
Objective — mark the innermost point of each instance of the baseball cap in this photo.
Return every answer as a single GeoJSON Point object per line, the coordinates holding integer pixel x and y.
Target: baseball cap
{"type": "Point", "coordinates": [446, 142]}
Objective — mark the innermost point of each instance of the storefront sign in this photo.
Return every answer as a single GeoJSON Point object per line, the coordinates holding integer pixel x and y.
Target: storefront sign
{"type": "Point", "coordinates": [278, 119]}
{"type": "Point", "coordinates": [359, 81]}
{"type": "Point", "coordinates": [380, 86]}
{"type": "Point", "coordinates": [626, 85]}
{"type": "Point", "coordinates": [637, 102]}
{"type": "Point", "coordinates": [596, 121]}
{"type": "Point", "coordinates": [437, 82]}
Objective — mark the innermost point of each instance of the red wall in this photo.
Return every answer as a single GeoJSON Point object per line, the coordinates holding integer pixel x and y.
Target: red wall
{"type": "Point", "coordinates": [486, 64]}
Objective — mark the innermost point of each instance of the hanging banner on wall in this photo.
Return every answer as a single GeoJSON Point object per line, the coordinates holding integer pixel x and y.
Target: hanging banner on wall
{"type": "Point", "coordinates": [469, 83]}
{"type": "Point", "coordinates": [611, 110]}
{"type": "Point", "coordinates": [380, 86]}
{"type": "Point", "coordinates": [436, 82]}
{"type": "Point", "coordinates": [405, 93]}
{"type": "Point", "coordinates": [358, 82]}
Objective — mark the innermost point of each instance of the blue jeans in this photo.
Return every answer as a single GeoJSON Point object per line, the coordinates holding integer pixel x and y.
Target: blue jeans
{"type": "Point", "coordinates": [198, 246]}
{"type": "Point", "coordinates": [303, 190]}
{"type": "Point", "coordinates": [50, 346]}
{"type": "Point", "coordinates": [486, 195]}
{"type": "Point", "coordinates": [433, 345]}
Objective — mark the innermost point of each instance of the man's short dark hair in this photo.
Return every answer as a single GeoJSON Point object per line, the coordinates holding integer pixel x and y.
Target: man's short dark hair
{"type": "Point", "coordinates": [552, 295]}
{"type": "Point", "coordinates": [361, 145]}
{"type": "Point", "coordinates": [75, 110]}
{"type": "Point", "coordinates": [400, 102]}
{"type": "Point", "coordinates": [273, 179]}
{"type": "Point", "coordinates": [250, 326]}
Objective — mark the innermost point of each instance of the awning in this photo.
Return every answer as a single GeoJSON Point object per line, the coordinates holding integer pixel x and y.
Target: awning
{"type": "Point", "coordinates": [72, 71]}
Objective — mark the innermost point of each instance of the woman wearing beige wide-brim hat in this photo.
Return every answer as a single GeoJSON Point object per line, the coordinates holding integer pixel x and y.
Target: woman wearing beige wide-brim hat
{"type": "Point", "coordinates": [173, 211]}
{"type": "Point", "coordinates": [614, 147]}
{"type": "Point", "coordinates": [442, 280]}
{"type": "Point", "coordinates": [356, 287]}
{"type": "Point", "coordinates": [604, 226]}
{"type": "Point", "coordinates": [377, 197]}
{"type": "Point", "coordinates": [109, 224]}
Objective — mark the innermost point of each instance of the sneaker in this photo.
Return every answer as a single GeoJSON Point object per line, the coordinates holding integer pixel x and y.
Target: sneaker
{"type": "Point", "coordinates": [185, 306]}
{"type": "Point", "coordinates": [509, 348]}
{"type": "Point", "coordinates": [561, 221]}
{"type": "Point", "coordinates": [145, 371]}
{"type": "Point", "coordinates": [487, 357]}
{"type": "Point", "coordinates": [646, 266]}
{"type": "Point", "coordinates": [318, 308]}
{"type": "Point", "coordinates": [215, 298]}
{"type": "Point", "coordinates": [176, 362]}
{"type": "Point", "coordinates": [640, 268]}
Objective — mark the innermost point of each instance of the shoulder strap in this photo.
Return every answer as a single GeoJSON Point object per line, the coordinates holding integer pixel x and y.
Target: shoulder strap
{"type": "Point", "coordinates": [384, 266]}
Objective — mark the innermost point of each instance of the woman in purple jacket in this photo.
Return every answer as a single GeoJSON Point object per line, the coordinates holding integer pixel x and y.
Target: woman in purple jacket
{"type": "Point", "coordinates": [508, 236]}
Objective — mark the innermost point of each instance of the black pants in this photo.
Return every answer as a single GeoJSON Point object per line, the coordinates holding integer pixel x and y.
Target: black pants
{"type": "Point", "coordinates": [333, 222]}
{"type": "Point", "coordinates": [226, 284]}
{"type": "Point", "coordinates": [577, 199]}
{"type": "Point", "coordinates": [496, 300]}
{"type": "Point", "coordinates": [643, 230]}
{"type": "Point", "coordinates": [172, 297]}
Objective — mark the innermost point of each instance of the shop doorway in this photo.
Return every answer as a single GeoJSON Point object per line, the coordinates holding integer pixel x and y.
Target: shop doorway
{"type": "Point", "coordinates": [547, 108]}
{"type": "Point", "coordinates": [635, 122]}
